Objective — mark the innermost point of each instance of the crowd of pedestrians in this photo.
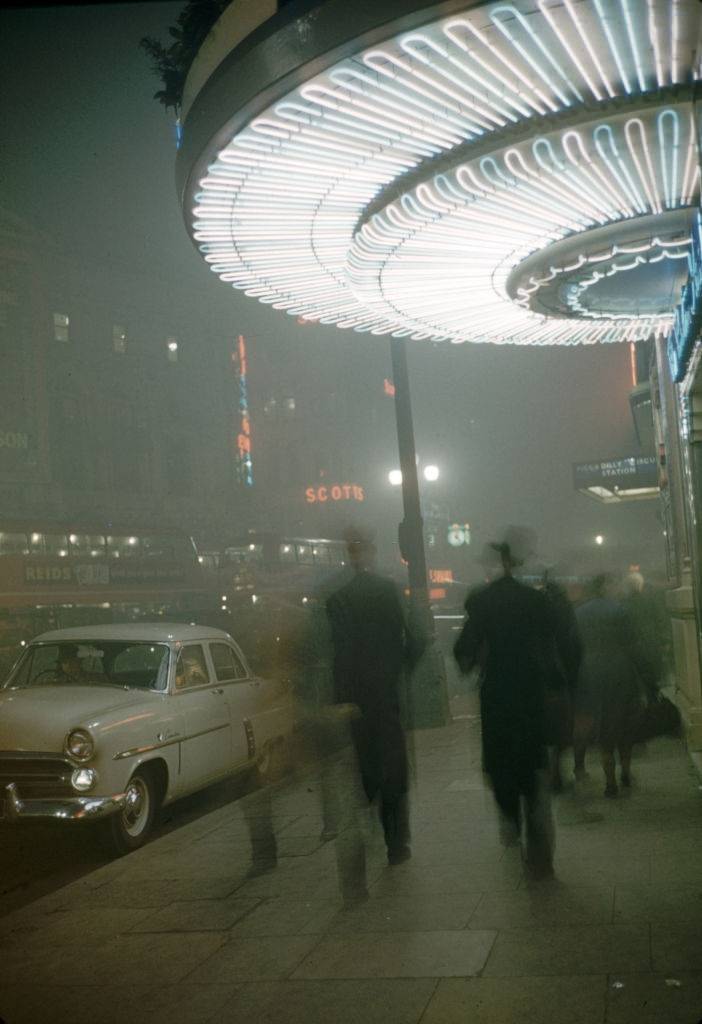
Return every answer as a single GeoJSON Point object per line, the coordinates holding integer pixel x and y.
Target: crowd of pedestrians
{"type": "Point", "coordinates": [556, 683]}
{"type": "Point", "coordinates": [554, 677]}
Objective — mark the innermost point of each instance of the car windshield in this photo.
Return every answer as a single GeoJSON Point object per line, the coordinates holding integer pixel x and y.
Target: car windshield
{"type": "Point", "coordinates": [123, 663]}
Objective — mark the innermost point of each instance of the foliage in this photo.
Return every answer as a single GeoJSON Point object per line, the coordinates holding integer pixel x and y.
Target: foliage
{"type": "Point", "coordinates": [172, 63]}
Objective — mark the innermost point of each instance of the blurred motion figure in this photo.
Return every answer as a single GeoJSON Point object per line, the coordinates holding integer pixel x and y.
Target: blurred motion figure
{"type": "Point", "coordinates": [372, 648]}
{"type": "Point", "coordinates": [610, 683]}
{"type": "Point", "coordinates": [512, 632]}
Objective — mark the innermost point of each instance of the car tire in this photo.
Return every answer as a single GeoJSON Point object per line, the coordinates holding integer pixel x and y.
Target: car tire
{"type": "Point", "coordinates": [130, 828]}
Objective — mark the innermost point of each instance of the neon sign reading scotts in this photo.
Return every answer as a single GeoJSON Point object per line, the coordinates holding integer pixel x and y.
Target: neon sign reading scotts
{"type": "Point", "coordinates": [688, 315]}
{"type": "Point", "coordinates": [334, 492]}
{"type": "Point", "coordinates": [243, 441]}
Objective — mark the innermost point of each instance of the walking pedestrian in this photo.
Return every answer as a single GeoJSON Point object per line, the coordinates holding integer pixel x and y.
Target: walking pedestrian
{"type": "Point", "coordinates": [610, 682]}
{"type": "Point", "coordinates": [511, 631]}
{"type": "Point", "coordinates": [371, 652]}
{"type": "Point", "coordinates": [560, 694]}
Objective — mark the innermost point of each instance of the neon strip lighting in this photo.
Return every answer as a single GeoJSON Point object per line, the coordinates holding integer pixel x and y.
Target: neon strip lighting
{"type": "Point", "coordinates": [276, 213]}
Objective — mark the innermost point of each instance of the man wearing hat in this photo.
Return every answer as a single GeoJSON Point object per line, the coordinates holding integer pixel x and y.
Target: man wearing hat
{"type": "Point", "coordinates": [511, 632]}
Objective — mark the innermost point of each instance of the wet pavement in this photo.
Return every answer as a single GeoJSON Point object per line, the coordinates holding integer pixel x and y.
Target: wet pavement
{"type": "Point", "coordinates": [188, 929]}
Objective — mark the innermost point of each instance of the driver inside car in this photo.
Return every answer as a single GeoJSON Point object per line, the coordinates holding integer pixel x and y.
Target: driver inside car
{"type": "Point", "coordinates": [70, 665]}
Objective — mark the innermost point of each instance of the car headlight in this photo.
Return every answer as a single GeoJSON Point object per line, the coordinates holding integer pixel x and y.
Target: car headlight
{"type": "Point", "coordinates": [80, 745]}
{"type": "Point", "coordinates": [83, 779]}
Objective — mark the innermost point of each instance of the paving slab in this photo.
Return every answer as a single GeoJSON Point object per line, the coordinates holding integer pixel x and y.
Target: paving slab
{"type": "Point", "coordinates": [677, 947]}
{"type": "Point", "coordinates": [197, 915]}
{"type": "Point", "coordinates": [242, 959]}
{"type": "Point", "coordinates": [114, 1004]}
{"type": "Point", "coordinates": [540, 1000]}
{"type": "Point", "coordinates": [655, 998]}
{"type": "Point", "coordinates": [439, 954]}
{"type": "Point", "coordinates": [588, 949]}
{"type": "Point", "coordinates": [284, 916]}
{"type": "Point", "coordinates": [193, 929]}
{"type": "Point", "coordinates": [551, 906]}
{"type": "Point", "coordinates": [378, 1001]}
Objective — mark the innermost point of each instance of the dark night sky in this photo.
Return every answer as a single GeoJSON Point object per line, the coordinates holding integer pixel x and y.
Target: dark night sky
{"type": "Point", "coordinates": [88, 157]}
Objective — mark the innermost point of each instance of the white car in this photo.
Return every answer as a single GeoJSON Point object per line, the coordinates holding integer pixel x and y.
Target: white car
{"type": "Point", "coordinates": [111, 722]}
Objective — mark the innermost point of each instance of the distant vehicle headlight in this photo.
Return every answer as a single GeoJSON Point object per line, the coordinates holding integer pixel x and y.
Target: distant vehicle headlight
{"type": "Point", "coordinates": [80, 745]}
{"type": "Point", "coordinates": [83, 779]}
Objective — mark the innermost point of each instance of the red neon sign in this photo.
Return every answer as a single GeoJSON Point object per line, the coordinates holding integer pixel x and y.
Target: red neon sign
{"type": "Point", "coordinates": [334, 492]}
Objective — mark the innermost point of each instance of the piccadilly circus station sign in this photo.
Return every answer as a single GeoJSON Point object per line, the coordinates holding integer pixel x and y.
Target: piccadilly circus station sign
{"type": "Point", "coordinates": [462, 172]}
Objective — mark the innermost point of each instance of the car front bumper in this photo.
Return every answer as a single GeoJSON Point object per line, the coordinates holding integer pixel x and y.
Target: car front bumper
{"type": "Point", "coordinates": [74, 808]}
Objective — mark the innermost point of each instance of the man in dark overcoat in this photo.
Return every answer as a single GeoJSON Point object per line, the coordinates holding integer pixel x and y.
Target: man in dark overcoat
{"type": "Point", "coordinates": [371, 648]}
{"type": "Point", "coordinates": [511, 633]}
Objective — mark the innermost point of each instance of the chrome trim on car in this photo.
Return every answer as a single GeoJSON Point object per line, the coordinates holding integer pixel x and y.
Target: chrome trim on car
{"type": "Point", "coordinates": [77, 808]}
{"type": "Point", "coordinates": [167, 742]}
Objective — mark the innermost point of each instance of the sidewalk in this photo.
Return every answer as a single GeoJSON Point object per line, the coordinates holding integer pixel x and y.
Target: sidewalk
{"type": "Point", "coordinates": [178, 932]}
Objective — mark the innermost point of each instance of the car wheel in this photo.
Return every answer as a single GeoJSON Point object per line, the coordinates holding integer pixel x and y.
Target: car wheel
{"type": "Point", "coordinates": [130, 829]}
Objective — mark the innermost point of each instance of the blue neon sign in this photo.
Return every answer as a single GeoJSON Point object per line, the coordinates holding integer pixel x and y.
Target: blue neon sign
{"type": "Point", "coordinates": [688, 315]}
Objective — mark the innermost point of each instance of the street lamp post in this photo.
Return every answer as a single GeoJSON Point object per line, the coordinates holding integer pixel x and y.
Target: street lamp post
{"type": "Point", "coordinates": [428, 698]}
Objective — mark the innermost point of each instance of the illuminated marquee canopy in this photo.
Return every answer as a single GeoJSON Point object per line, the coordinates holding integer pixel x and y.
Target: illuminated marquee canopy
{"type": "Point", "coordinates": [476, 179]}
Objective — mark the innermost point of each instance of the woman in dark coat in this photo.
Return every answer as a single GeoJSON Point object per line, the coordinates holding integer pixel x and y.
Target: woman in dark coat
{"type": "Point", "coordinates": [610, 681]}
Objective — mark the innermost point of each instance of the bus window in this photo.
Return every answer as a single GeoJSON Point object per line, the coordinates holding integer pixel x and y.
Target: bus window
{"type": "Point", "coordinates": [123, 547]}
{"type": "Point", "coordinates": [337, 554]}
{"type": "Point", "coordinates": [13, 544]}
{"type": "Point", "coordinates": [320, 554]}
{"type": "Point", "coordinates": [247, 554]}
{"type": "Point", "coordinates": [286, 553]}
{"type": "Point", "coordinates": [55, 544]}
{"type": "Point", "coordinates": [157, 547]}
{"type": "Point", "coordinates": [304, 554]}
{"type": "Point", "coordinates": [86, 545]}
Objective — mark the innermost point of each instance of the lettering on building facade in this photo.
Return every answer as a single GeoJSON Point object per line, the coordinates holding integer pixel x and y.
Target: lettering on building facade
{"type": "Point", "coordinates": [334, 492]}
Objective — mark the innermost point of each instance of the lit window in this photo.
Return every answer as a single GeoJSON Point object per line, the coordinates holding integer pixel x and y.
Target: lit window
{"type": "Point", "coordinates": [172, 346]}
{"type": "Point", "coordinates": [13, 544]}
{"type": "Point", "coordinates": [61, 323]}
{"type": "Point", "coordinates": [119, 338]}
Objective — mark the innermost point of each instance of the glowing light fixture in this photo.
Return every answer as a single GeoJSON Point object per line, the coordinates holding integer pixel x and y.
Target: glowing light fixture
{"type": "Point", "coordinates": [305, 208]}
{"type": "Point", "coordinates": [431, 473]}
{"type": "Point", "coordinates": [395, 477]}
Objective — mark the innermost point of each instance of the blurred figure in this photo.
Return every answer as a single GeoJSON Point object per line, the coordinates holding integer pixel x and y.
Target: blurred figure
{"type": "Point", "coordinates": [650, 624]}
{"type": "Point", "coordinates": [371, 648]}
{"type": "Point", "coordinates": [560, 695]}
{"type": "Point", "coordinates": [512, 633]}
{"type": "Point", "coordinates": [609, 684]}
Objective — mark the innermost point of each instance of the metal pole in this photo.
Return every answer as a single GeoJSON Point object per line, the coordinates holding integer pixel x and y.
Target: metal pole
{"type": "Point", "coordinates": [428, 703]}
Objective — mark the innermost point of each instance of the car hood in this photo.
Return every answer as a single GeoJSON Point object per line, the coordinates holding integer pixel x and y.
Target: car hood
{"type": "Point", "coordinates": [39, 717]}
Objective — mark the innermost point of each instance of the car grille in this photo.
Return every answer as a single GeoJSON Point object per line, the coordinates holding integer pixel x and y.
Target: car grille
{"type": "Point", "coordinates": [37, 776]}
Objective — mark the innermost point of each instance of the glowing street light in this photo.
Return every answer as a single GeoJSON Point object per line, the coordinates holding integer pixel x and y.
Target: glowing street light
{"type": "Point", "coordinates": [395, 477]}
{"type": "Point", "coordinates": [599, 540]}
{"type": "Point", "coordinates": [431, 473]}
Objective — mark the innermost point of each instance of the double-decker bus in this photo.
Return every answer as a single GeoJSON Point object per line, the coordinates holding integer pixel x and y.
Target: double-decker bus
{"type": "Point", "coordinates": [54, 575]}
{"type": "Point", "coordinates": [265, 563]}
